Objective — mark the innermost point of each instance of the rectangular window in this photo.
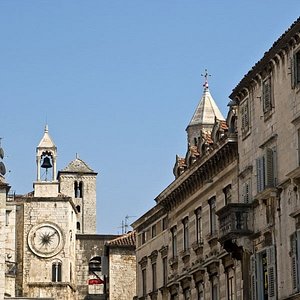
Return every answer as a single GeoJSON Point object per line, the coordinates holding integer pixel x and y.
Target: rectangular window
{"type": "Point", "coordinates": [244, 109]}
{"type": "Point", "coordinates": [174, 297]}
{"type": "Point", "coordinates": [143, 237]}
{"type": "Point", "coordinates": [185, 223]}
{"type": "Point", "coordinates": [267, 95]}
{"type": "Point", "coordinates": [298, 150]}
{"type": "Point", "coordinates": [230, 285]}
{"type": "Point", "coordinates": [296, 70]}
{"type": "Point", "coordinates": [56, 272]}
{"type": "Point", "coordinates": [200, 291]}
{"type": "Point", "coordinates": [297, 60]}
{"type": "Point", "coordinates": [144, 282]}
{"type": "Point", "coordinates": [212, 215]}
{"type": "Point", "coordinates": [227, 194]}
{"type": "Point", "coordinates": [266, 169]}
{"type": "Point", "coordinates": [187, 294]}
{"type": "Point", "coordinates": [263, 277]}
{"type": "Point", "coordinates": [164, 223]}
{"type": "Point", "coordinates": [174, 241]}
{"type": "Point", "coordinates": [153, 231]}
{"type": "Point", "coordinates": [154, 277]}
{"type": "Point", "coordinates": [199, 237]}
{"type": "Point", "coordinates": [214, 288]}
{"type": "Point", "coordinates": [165, 270]}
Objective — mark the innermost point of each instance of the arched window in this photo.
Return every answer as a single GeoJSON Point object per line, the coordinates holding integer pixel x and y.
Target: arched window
{"type": "Point", "coordinates": [56, 271]}
{"type": "Point", "coordinates": [78, 225]}
{"type": "Point", "coordinates": [78, 208]}
{"type": "Point", "coordinates": [95, 264]}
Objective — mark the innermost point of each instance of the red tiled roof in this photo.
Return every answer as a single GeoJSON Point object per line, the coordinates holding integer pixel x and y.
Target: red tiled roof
{"type": "Point", "coordinates": [207, 137]}
{"type": "Point", "coordinates": [127, 239]}
{"type": "Point", "coordinates": [223, 125]}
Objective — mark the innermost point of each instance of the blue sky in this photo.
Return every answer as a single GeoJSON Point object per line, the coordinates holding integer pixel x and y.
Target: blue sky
{"type": "Point", "coordinates": [118, 82]}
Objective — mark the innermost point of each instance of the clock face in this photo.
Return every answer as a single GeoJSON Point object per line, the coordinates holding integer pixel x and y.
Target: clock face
{"type": "Point", "coordinates": [45, 240]}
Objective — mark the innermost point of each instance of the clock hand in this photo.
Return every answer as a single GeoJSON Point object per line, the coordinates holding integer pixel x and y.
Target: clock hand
{"type": "Point", "coordinates": [54, 233]}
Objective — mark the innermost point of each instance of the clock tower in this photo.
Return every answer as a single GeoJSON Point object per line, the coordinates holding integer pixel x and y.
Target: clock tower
{"type": "Point", "coordinates": [48, 220]}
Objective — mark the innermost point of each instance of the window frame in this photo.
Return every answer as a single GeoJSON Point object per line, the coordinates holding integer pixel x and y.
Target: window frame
{"type": "Point", "coordinates": [154, 276]}
{"type": "Point", "coordinates": [295, 66]}
{"type": "Point", "coordinates": [56, 271]}
{"type": "Point", "coordinates": [263, 270]}
{"type": "Point", "coordinates": [266, 169]}
{"type": "Point", "coordinates": [199, 227]}
{"type": "Point", "coordinates": [186, 243]}
{"type": "Point", "coordinates": [212, 215]}
{"type": "Point", "coordinates": [174, 241]}
{"type": "Point", "coordinates": [295, 260]}
{"type": "Point", "coordinates": [144, 281]}
{"type": "Point", "coordinates": [227, 191]}
{"type": "Point", "coordinates": [267, 94]}
{"type": "Point", "coordinates": [245, 116]}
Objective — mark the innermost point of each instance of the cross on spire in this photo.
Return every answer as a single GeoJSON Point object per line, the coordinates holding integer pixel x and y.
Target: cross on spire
{"type": "Point", "coordinates": [206, 75]}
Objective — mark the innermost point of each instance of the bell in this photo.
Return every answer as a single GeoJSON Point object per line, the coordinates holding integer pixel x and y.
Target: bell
{"type": "Point", "coordinates": [46, 163]}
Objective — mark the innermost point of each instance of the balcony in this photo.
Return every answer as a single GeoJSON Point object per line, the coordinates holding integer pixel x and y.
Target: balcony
{"type": "Point", "coordinates": [235, 221]}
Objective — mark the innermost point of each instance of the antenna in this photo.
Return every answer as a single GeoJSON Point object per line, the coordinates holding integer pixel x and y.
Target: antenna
{"type": "Point", "coordinates": [126, 225]}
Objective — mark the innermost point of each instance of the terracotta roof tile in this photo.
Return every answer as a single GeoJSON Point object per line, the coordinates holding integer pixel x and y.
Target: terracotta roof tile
{"type": "Point", "coordinates": [127, 239]}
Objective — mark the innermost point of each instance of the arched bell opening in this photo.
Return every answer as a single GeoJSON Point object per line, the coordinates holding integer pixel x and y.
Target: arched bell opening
{"type": "Point", "coordinates": [46, 162]}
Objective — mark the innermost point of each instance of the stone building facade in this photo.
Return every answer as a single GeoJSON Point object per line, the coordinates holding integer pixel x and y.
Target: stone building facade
{"type": "Point", "coordinates": [121, 267]}
{"type": "Point", "coordinates": [178, 253]}
{"type": "Point", "coordinates": [251, 249]}
{"type": "Point", "coordinates": [267, 100]}
{"type": "Point", "coordinates": [50, 246]}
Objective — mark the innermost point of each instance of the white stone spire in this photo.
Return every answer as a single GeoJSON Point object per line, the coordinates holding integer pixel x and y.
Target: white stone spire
{"type": "Point", "coordinates": [207, 109]}
{"type": "Point", "coordinates": [204, 115]}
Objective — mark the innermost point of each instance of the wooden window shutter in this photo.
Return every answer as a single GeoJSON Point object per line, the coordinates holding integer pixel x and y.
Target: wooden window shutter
{"type": "Point", "coordinates": [267, 100]}
{"type": "Point", "coordinates": [246, 192]}
{"type": "Point", "coordinates": [297, 67]}
{"type": "Point", "coordinates": [271, 260]}
{"type": "Point", "coordinates": [246, 115]}
{"type": "Point", "coordinates": [294, 262]}
{"type": "Point", "coordinates": [293, 71]}
{"type": "Point", "coordinates": [243, 117]}
{"type": "Point", "coordinates": [260, 174]}
{"type": "Point", "coordinates": [298, 131]}
{"type": "Point", "coordinates": [253, 277]}
{"type": "Point", "coordinates": [269, 168]}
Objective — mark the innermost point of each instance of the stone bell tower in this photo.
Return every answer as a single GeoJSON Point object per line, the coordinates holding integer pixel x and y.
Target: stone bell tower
{"type": "Point", "coordinates": [46, 184]}
{"type": "Point", "coordinates": [78, 181]}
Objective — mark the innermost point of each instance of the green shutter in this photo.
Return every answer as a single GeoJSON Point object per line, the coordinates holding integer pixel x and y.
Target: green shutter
{"type": "Point", "coordinates": [271, 260]}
